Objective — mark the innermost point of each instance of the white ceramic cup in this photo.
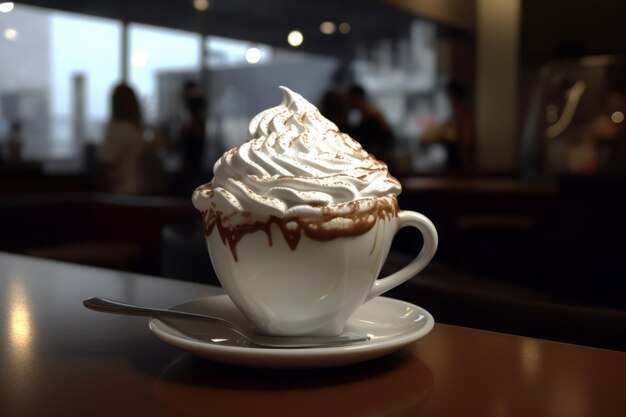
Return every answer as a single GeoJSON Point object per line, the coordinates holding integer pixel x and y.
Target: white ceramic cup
{"type": "Point", "coordinates": [314, 289]}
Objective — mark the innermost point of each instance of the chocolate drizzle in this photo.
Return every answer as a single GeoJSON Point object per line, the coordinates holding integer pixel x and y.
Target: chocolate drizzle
{"type": "Point", "coordinates": [339, 221]}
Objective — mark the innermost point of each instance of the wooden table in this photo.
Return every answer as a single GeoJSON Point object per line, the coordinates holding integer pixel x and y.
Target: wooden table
{"type": "Point", "coordinates": [59, 359]}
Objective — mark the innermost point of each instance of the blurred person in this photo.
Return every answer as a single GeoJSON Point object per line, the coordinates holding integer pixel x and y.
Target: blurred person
{"type": "Point", "coordinates": [129, 162]}
{"type": "Point", "coordinates": [457, 134]}
{"type": "Point", "coordinates": [15, 142]}
{"type": "Point", "coordinates": [334, 107]}
{"type": "Point", "coordinates": [367, 124]}
{"type": "Point", "coordinates": [192, 138]}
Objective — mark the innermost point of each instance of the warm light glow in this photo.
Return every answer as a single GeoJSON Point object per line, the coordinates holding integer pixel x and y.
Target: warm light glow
{"type": "Point", "coordinates": [10, 34]}
{"type": "Point", "coordinates": [6, 7]}
{"type": "Point", "coordinates": [530, 360]}
{"type": "Point", "coordinates": [201, 5]}
{"type": "Point", "coordinates": [253, 55]}
{"type": "Point", "coordinates": [552, 113]}
{"type": "Point", "coordinates": [328, 28]}
{"type": "Point", "coordinates": [617, 117]}
{"type": "Point", "coordinates": [20, 320]}
{"type": "Point", "coordinates": [139, 57]}
{"type": "Point", "coordinates": [21, 338]}
{"type": "Point", "coordinates": [295, 38]}
{"type": "Point", "coordinates": [20, 328]}
{"type": "Point", "coordinates": [345, 28]}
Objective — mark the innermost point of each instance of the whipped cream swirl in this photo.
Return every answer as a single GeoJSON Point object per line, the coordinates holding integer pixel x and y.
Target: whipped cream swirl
{"type": "Point", "coordinates": [296, 164]}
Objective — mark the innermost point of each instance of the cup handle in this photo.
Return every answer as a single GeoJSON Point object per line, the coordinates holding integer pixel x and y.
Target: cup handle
{"type": "Point", "coordinates": [431, 240]}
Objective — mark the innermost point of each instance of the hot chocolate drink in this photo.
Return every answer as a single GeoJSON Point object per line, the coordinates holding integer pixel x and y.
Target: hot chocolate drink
{"type": "Point", "coordinates": [299, 220]}
{"type": "Point", "coordinates": [299, 173]}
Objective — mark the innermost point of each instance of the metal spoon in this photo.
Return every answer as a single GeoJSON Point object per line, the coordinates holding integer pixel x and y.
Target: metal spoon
{"type": "Point", "coordinates": [286, 342]}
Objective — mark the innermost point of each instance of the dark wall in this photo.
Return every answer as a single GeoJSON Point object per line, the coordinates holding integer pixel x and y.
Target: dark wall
{"type": "Point", "coordinates": [572, 27]}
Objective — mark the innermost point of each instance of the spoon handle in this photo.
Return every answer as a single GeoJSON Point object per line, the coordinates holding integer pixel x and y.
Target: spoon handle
{"type": "Point", "coordinates": [117, 307]}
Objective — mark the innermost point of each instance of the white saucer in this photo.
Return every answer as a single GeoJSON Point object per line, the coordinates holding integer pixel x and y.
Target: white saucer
{"type": "Point", "coordinates": [391, 324]}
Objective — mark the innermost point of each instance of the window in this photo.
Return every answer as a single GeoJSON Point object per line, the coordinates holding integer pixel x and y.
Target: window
{"type": "Point", "coordinates": [54, 83]}
{"type": "Point", "coordinates": [155, 51]}
{"type": "Point", "coordinates": [84, 69]}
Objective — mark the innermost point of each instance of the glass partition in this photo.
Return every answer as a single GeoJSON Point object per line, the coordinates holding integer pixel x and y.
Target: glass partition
{"type": "Point", "coordinates": [155, 51]}
{"type": "Point", "coordinates": [55, 77]}
{"type": "Point", "coordinates": [575, 121]}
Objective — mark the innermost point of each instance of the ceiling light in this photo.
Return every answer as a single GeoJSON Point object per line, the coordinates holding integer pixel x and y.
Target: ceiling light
{"type": "Point", "coordinates": [295, 38]}
{"type": "Point", "coordinates": [201, 5]}
{"type": "Point", "coordinates": [253, 55]}
{"type": "Point", "coordinates": [6, 7]}
{"type": "Point", "coordinates": [617, 117]}
{"type": "Point", "coordinates": [344, 28]}
{"type": "Point", "coordinates": [328, 28]}
{"type": "Point", "coordinates": [10, 34]}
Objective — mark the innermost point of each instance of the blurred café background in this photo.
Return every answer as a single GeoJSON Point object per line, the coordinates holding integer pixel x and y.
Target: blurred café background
{"type": "Point", "coordinates": [503, 119]}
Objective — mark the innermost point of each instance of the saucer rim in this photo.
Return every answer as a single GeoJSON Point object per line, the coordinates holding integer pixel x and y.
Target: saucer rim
{"type": "Point", "coordinates": [250, 356]}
